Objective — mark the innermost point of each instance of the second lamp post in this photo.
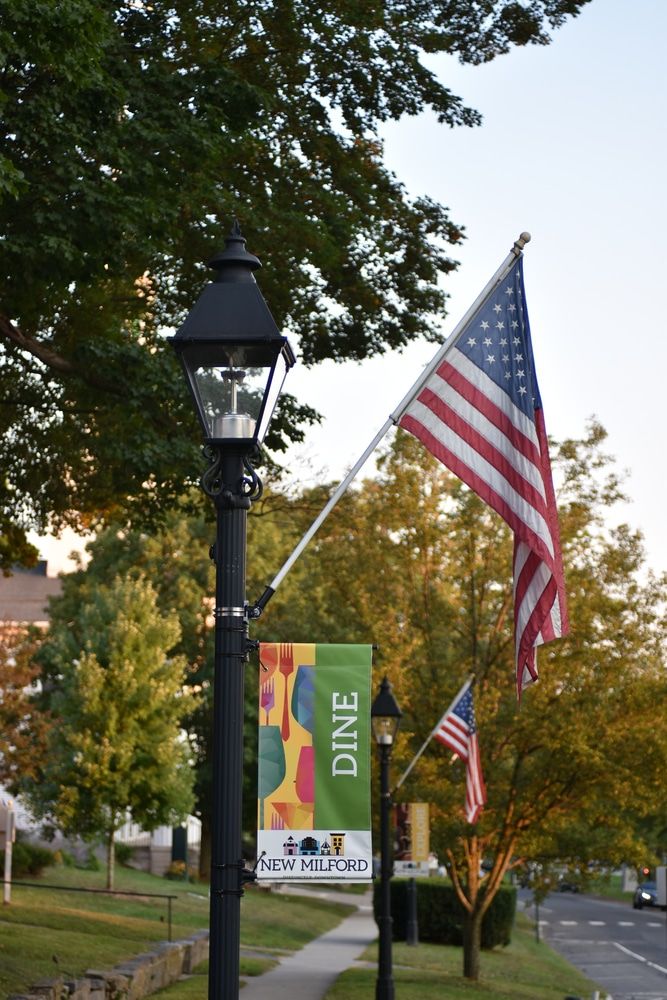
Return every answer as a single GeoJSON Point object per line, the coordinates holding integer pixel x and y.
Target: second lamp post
{"type": "Point", "coordinates": [385, 719]}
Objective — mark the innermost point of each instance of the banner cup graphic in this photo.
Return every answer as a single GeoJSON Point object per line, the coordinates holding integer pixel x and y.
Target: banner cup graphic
{"type": "Point", "coordinates": [314, 809]}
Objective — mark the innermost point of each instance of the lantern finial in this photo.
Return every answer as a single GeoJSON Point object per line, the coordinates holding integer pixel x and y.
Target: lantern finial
{"type": "Point", "coordinates": [234, 258]}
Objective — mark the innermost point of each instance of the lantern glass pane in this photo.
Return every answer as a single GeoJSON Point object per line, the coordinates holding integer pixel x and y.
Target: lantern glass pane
{"type": "Point", "coordinates": [385, 728]}
{"type": "Point", "coordinates": [231, 399]}
{"type": "Point", "coordinates": [273, 390]}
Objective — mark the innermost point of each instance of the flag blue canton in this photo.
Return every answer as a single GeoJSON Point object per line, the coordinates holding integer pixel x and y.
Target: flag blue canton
{"type": "Point", "coordinates": [498, 342]}
{"type": "Point", "coordinates": [465, 710]}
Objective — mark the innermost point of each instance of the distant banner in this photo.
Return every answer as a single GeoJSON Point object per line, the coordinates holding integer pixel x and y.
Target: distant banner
{"type": "Point", "coordinates": [412, 846]}
{"type": "Point", "coordinates": [314, 810]}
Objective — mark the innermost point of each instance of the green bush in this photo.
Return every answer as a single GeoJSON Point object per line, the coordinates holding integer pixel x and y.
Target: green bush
{"type": "Point", "coordinates": [177, 873]}
{"type": "Point", "coordinates": [92, 863]}
{"type": "Point", "coordinates": [28, 859]}
{"type": "Point", "coordinates": [440, 914]}
{"type": "Point", "coordinates": [124, 853]}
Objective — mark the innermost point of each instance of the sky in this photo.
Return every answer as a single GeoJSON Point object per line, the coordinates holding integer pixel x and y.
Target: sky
{"type": "Point", "coordinates": [572, 149]}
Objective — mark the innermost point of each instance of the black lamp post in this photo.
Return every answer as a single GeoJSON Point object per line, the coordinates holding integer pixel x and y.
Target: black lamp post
{"type": "Point", "coordinates": [235, 361]}
{"type": "Point", "coordinates": [385, 719]}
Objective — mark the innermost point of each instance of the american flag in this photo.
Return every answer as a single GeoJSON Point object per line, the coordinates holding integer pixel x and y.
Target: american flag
{"type": "Point", "coordinates": [480, 414]}
{"type": "Point", "coordinates": [457, 730]}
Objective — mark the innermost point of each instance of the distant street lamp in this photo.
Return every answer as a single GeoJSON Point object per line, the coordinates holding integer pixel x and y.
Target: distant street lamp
{"type": "Point", "coordinates": [235, 360]}
{"type": "Point", "coordinates": [385, 719]}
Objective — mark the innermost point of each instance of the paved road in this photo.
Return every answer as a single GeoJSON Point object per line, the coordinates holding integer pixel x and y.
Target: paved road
{"type": "Point", "coordinates": [622, 949]}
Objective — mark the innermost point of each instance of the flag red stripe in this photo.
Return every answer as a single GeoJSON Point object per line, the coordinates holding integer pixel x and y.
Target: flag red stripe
{"type": "Point", "coordinates": [476, 483]}
{"type": "Point", "coordinates": [536, 620]}
{"type": "Point", "coordinates": [486, 449]}
{"type": "Point", "coordinates": [484, 403]}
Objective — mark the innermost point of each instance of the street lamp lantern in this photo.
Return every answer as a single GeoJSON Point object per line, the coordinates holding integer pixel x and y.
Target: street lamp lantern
{"type": "Point", "coordinates": [385, 715]}
{"type": "Point", "coordinates": [235, 360]}
{"type": "Point", "coordinates": [234, 357]}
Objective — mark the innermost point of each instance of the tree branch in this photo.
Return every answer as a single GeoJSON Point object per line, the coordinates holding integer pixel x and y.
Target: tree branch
{"type": "Point", "coordinates": [38, 350]}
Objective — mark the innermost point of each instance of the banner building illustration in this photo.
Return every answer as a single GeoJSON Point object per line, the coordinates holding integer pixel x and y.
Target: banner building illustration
{"type": "Point", "coordinates": [314, 811]}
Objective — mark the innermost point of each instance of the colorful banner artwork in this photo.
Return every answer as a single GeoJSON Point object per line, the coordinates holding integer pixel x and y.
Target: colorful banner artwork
{"type": "Point", "coordinates": [412, 845]}
{"type": "Point", "coordinates": [314, 810]}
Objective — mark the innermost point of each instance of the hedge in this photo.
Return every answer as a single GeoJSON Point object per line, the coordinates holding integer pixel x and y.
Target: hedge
{"type": "Point", "coordinates": [440, 914]}
{"type": "Point", "coordinates": [28, 859]}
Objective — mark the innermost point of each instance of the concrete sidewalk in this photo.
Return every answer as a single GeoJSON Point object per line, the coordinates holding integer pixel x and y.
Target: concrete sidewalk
{"type": "Point", "coordinates": [308, 974]}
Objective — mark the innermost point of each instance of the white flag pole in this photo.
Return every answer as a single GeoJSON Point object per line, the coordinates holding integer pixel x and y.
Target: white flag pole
{"type": "Point", "coordinates": [516, 251]}
{"type": "Point", "coordinates": [430, 736]}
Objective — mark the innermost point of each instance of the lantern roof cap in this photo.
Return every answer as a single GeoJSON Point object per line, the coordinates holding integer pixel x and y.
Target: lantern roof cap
{"type": "Point", "coordinates": [385, 705]}
{"type": "Point", "coordinates": [231, 306]}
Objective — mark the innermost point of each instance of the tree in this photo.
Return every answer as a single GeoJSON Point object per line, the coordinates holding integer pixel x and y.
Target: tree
{"type": "Point", "coordinates": [176, 561]}
{"type": "Point", "coordinates": [116, 750]}
{"type": "Point", "coordinates": [132, 134]}
{"type": "Point", "coordinates": [415, 562]}
{"type": "Point", "coordinates": [23, 727]}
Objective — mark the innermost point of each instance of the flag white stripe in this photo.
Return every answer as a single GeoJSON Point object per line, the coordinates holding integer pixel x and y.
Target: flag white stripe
{"type": "Point", "coordinates": [455, 739]}
{"type": "Point", "coordinates": [521, 554]}
{"type": "Point", "coordinates": [540, 579]}
{"type": "Point", "coordinates": [495, 394]}
{"type": "Point", "coordinates": [490, 432]}
{"type": "Point", "coordinates": [525, 513]}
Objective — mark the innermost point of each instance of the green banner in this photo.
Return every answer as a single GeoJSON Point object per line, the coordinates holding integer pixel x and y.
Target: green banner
{"type": "Point", "coordinates": [314, 812]}
{"type": "Point", "coordinates": [342, 721]}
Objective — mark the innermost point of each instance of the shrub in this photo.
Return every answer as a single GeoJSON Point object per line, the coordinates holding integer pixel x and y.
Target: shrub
{"type": "Point", "coordinates": [440, 914]}
{"type": "Point", "coordinates": [124, 853]}
{"type": "Point", "coordinates": [28, 859]}
{"type": "Point", "coordinates": [177, 873]}
{"type": "Point", "coordinates": [91, 864]}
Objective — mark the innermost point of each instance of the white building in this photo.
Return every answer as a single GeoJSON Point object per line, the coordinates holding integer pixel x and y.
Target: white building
{"type": "Point", "coordinates": [154, 852]}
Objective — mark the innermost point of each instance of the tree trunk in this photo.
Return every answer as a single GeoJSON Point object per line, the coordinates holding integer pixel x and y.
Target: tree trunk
{"type": "Point", "coordinates": [472, 942]}
{"type": "Point", "coordinates": [111, 858]}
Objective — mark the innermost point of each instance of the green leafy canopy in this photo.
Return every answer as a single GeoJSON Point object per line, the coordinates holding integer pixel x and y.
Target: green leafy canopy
{"type": "Point", "coordinates": [132, 133]}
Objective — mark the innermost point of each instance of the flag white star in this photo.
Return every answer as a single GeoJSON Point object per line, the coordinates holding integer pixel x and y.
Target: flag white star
{"type": "Point", "coordinates": [503, 341]}
{"type": "Point", "coordinates": [506, 358]}
{"type": "Point", "coordinates": [471, 341]}
{"type": "Point", "coordinates": [509, 291]}
{"type": "Point", "coordinates": [516, 341]}
{"type": "Point", "coordinates": [487, 342]}
{"type": "Point", "coordinates": [522, 390]}
{"type": "Point", "coordinates": [511, 307]}
{"type": "Point", "coordinates": [500, 325]}
{"type": "Point", "coordinates": [497, 308]}
{"type": "Point", "coordinates": [519, 357]}
{"type": "Point", "coordinates": [514, 325]}
{"type": "Point", "coordinates": [520, 373]}
{"type": "Point", "coordinates": [484, 325]}
{"type": "Point", "coordinates": [508, 374]}
{"type": "Point", "coordinates": [490, 358]}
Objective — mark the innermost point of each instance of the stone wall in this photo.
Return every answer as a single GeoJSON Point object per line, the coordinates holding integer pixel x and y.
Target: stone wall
{"type": "Point", "coordinates": [131, 980]}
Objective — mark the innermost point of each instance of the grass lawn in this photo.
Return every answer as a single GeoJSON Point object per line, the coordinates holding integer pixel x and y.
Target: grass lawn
{"type": "Point", "coordinates": [46, 932]}
{"type": "Point", "coordinates": [525, 970]}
